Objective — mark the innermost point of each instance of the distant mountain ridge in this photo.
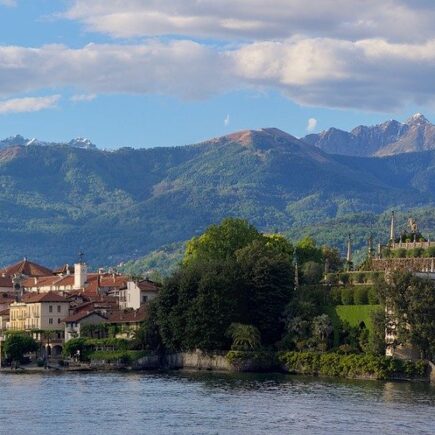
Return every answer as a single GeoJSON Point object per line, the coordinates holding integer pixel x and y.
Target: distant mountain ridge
{"type": "Point", "coordinates": [58, 200]}
{"type": "Point", "coordinates": [18, 140]}
{"type": "Point", "coordinates": [389, 138]}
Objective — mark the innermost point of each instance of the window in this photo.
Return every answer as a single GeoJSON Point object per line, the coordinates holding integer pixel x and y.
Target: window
{"type": "Point", "coordinates": [59, 309]}
{"type": "Point", "coordinates": [144, 298]}
{"type": "Point", "coordinates": [50, 321]}
{"type": "Point", "coordinates": [50, 308]}
{"type": "Point", "coordinates": [58, 320]}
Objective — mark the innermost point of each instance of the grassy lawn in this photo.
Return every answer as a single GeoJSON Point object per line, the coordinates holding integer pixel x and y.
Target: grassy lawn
{"type": "Point", "coordinates": [354, 314]}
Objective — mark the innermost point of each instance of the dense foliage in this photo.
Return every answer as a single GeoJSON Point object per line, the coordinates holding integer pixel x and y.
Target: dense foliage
{"type": "Point", "coordinates": [410, 303]}
{"type": "Point", "coordinates": [17, 345]}
{"type": "Point", "coordinates": [231, 274]}
{"type": "Point", "coordinates": [334, 364]}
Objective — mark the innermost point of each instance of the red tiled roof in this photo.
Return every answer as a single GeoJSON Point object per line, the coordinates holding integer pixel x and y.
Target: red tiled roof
{"type": "Point", "coordinates": [26, 267]}
{"type": "Point", "coordinates": [82, 315]}
{"type": "Point", "coordinates": [147, 285]}
{"type": "Point", "coordinates": [6, 281]}
{"type": "Point", "coordinates": [33, 298]}
{"type": "Point", "coordinates": [5, 312]}
{"type": "Point", "coordinates": [129, 316]}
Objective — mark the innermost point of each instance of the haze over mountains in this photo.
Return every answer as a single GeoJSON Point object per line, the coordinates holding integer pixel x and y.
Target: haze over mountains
{"type": "Point", "coordinates": [389, 138]}
{"type": "Point", "coordinates": [56, 200]}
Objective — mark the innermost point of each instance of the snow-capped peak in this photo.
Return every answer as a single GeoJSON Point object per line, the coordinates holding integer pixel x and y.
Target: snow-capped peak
{"type": "Point", "coordinates": [417, 119]}
{"type": "Point", "coordinates": [82, 142]}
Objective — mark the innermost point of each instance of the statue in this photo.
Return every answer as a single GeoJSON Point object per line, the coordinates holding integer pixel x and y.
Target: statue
{"type": "Point", "coordinates": [412, 224]}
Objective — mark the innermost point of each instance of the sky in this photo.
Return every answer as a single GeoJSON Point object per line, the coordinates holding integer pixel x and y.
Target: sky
{"type": "Point", "coordinates": [146, 73]}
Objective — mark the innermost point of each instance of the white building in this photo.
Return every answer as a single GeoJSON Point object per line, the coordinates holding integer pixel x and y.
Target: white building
{"type": "Point", "coordinates": [137, 293]}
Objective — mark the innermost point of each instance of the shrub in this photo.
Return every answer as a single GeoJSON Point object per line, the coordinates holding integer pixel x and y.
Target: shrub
{"type": "Point", "coordinates": [350, 365]}
{"type": "Point", "coordinates": [416, 252]}
{"type": "Point", "coordinates": [344, 278]}
{"type": "Point", "coordinates": [400, 253]}
{"type": "Point", "coordinates": [372, 296]}
{"type": "Point", "coordinates": [347, 296]}
{"type": "Point", "coordinates": [335, 296]}
{"type": "Point", "coordinates": [360, 296]}
{"type": "Point", "coordinates": [360, 277]}
{"type": "Point", "coordinates": [331, 278]}
{"type": "Point", "coordinates": [430, 252]}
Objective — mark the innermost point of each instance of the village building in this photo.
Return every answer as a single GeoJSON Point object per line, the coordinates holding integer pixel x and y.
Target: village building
{"type": "Point", "coordinates": [4, 320]}
{"type": "Point", "coordinates": [137, 293]}
{"type": "Point", "coordinates": [128, 322]}
{"type": "Point", "coordinates": [75, 323]}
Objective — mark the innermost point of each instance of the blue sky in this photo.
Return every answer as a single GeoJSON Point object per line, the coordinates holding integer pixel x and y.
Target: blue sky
{"type": "Point", "coordinates": [173, 72]}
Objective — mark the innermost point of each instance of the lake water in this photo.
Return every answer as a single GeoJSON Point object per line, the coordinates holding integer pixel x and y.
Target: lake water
{"type": "Point", "coordinates": [210, 403]}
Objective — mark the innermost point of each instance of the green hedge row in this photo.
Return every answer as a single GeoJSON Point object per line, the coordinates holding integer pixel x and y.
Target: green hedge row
{"type": "Point", "coordinates": [346, 278]}
{"type": "Point", "coordinates": [360, 295]}
{"type": "Point", "coordinates": [411, 253]}
{"type": "Point", "coordinates": [351, 366]}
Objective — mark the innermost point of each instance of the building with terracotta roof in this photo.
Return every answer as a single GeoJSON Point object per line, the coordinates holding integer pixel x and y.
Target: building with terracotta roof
{"type": "Point", "coordinates": [26, 268]}
{"type": "Point", "coordinates": [6, 284]}
{"type": "Point", "coordinates": [75, 323]}
{"type": "Point", "coordinates": [128, 321]}
{"type": "Point", "coordinates": [39, 311]}
{"type": "Point", "coordinates": [137, 293]}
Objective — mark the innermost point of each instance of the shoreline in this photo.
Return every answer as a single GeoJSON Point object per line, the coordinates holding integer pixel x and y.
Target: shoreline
{"type": "Point", "coordinates": [332, 365]}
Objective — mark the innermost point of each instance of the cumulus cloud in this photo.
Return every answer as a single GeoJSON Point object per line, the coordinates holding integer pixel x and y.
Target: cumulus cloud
{"type": "Point", "coordinates": [29, 104]}
{"type": "Point", "coordinates": [83, 97]}
{"type": "Point", "coordinates": [394, 20]}
{"type": "Point", "coordinates": [366, 74]}
{"type": "Point", "coordinates": [311, 124]}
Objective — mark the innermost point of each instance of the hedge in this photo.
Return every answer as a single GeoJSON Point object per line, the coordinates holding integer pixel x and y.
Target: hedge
{"type": "Point", "coordinates": [351, 366]}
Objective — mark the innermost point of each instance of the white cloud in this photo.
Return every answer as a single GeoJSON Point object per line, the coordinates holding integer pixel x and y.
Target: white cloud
{"type": "Point", "coordinates": [365, 74]}
{"type": "Point", "coordinates": [227, 120]}
{"type": "Point", "coordinates": [83, 97]}
{"type": "Point", "coordinates": [29, 104]}
{"type": "Point", "coordinates": [394, 20]}
{"type": "Point", "coordinates": [311, 124]}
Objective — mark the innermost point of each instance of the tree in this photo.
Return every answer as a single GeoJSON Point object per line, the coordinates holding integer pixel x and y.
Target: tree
{"type": "Point", "coordinates": [307, 250]}
{"type": "Point", "coordinates": [245, 337]}
{"type": "Point", "coordinates": [332, 256]}
{"type": "Point", "coordinates": [410, 303]}
{"type": "Point", "coordinates": [147, 337]}
{"type": "Point", "coordinates": [231, 274]}
{"type": "Point", "coordinates": [17, 345]}
{"type": "Point", "coordinates": [220, 242]}
{"type": "Point", "coordinates": [322, 330]}
{"type": "Point", "coordinates": [312, 272]}
{"type": "Point", "coordinates": [266, 282]}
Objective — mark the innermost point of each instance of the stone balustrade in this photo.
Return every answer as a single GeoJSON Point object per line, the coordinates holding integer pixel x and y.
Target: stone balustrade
{"type": "Point", "coordinates": [412, 245]}
{"type": "Point", "coordinates": [420, 264]}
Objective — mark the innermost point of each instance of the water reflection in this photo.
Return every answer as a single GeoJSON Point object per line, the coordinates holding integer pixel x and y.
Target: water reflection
{"type": "Point", "coordinates": [204, 402]}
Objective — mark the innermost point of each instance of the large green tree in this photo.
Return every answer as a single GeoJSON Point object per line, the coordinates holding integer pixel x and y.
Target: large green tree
{"type": "Point", "coordinates": [220, 242]}
{"type": "Point", "coordinates": [410, 303]}
{"type": "Point", "coordinates": [17, 345]}
{"type": "Point", "coordinates": [231, 274]}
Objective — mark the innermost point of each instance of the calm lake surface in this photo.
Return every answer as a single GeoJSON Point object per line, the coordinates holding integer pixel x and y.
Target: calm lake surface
{"type": "Point", "coordinates": [210, 403]}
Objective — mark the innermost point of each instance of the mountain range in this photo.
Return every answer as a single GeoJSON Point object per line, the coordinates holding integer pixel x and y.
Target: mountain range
{"type": "Point", "coordinates": [18, 140]}
{"type": "Point", "coordinates": [59, 199]}
{"type": "Point", "coordinates": [389, 138]}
